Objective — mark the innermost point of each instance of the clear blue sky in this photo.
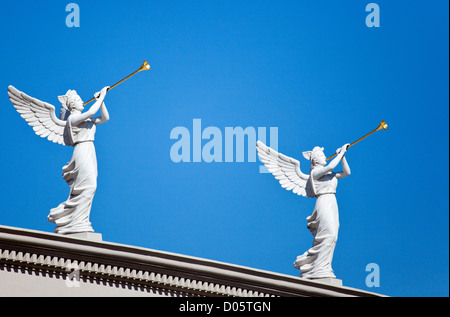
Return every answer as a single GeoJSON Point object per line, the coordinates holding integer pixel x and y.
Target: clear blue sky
{"type": "Point", "coordinates": [311, 68]}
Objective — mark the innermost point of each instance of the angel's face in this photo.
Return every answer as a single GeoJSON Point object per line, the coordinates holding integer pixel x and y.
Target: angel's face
{"type": "Point", "coordinates": [77, 103]}
{"type": "Point", "coordinates": [321, 159]}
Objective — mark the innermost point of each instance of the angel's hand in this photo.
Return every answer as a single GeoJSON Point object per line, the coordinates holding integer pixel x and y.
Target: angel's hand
{"type": "Point", "coordinates": [104, 90]}
{"type": "Point", "coordinates": [343, 148]}
{"type": "Point", "coordinates": [346, 146]}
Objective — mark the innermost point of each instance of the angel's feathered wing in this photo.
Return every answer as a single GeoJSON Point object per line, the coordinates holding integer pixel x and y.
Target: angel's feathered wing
{"type": "Point", "coordinates": [40, 115]}
{"type": "Point", "coordinates": [285, 169]}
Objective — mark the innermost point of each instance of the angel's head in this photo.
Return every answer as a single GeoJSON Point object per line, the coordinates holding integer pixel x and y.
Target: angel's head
{"type": "Point", "coordinates": [71, 101]}
{"type": "Point", "coordinates": [316, 156]}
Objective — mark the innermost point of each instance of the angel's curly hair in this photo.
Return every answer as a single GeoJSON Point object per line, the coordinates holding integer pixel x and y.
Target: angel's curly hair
{"type": "Point", "coordinates": [67, 102]}
{"type": "Point", "coordinates": [312, 155]}
{"type": "Point", "coordinates": [68, 99]}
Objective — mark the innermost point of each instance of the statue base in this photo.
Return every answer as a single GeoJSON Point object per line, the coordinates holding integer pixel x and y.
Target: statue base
{"type": "Point", "coordinates": [93, 236]}
{"type": "Point", "coordinates": [327, 280]}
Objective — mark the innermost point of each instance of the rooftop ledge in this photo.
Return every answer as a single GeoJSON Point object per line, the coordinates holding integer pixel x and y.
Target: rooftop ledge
{"type": "Point", "coordinates": [36, 263]}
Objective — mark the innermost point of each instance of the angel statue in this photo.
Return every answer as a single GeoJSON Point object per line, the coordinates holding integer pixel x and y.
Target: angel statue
{"type": "Point", "coordinates": [321, 183]}
{"type": "Point", "coordinates": [72, 128]}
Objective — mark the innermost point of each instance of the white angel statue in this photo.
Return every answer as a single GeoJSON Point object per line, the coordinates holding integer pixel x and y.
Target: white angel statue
{"type": "Point", "coordinates": [321, 183]}
{"type": "Point", "coordinates": [72, 128]}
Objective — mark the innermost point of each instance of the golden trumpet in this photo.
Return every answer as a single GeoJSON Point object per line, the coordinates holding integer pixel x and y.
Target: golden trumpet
{"type": "Point", "coordinates": [145, 66]}
{"type": "Point", "coordinates": [382, 126]}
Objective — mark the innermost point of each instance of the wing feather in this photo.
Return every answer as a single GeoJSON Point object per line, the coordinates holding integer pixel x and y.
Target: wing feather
{"type": "Point", "coordinates": [285, 169]}
{"type": "Point", "coordinates": [44, 133]}
{"type": "Point", "coordinates": [38, 114]}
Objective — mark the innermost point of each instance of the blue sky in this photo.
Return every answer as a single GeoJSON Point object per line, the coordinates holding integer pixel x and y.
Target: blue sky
{"type": "Point", "coordinates": [313, 69]}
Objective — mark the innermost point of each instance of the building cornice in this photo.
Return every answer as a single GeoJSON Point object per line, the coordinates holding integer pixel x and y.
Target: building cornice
{"type": "Point", "coordinates": [143, 269]}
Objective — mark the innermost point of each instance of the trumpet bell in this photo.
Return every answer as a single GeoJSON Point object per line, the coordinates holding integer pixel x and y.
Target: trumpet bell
{"type": "Point", "coordinates": [145, 66]}
{"type": "Point", "coordinates": [383, 126]}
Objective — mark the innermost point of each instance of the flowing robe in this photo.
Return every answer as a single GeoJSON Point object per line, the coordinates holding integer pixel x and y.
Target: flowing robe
{"type": "Point", "coordinates": [324, 225]}
{"type": "Point", "coordinates": [80, 173]}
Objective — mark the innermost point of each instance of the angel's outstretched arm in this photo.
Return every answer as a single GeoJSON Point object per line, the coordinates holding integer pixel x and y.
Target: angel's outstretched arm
{"type": "Point", "coordinates": [345, 169]}
{"type": "Point", "coordinates": [76, 119]}
{"type": "Point", "coordinates": [104, 117]}
{"type": "Point", "coordinates": [319, 172]}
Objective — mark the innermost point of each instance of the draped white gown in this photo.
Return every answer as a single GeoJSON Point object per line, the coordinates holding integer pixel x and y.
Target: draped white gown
{"type": "Point", "coordinates": [324, 226]}
{"type": "Point", "coordinates": [72, 216]}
